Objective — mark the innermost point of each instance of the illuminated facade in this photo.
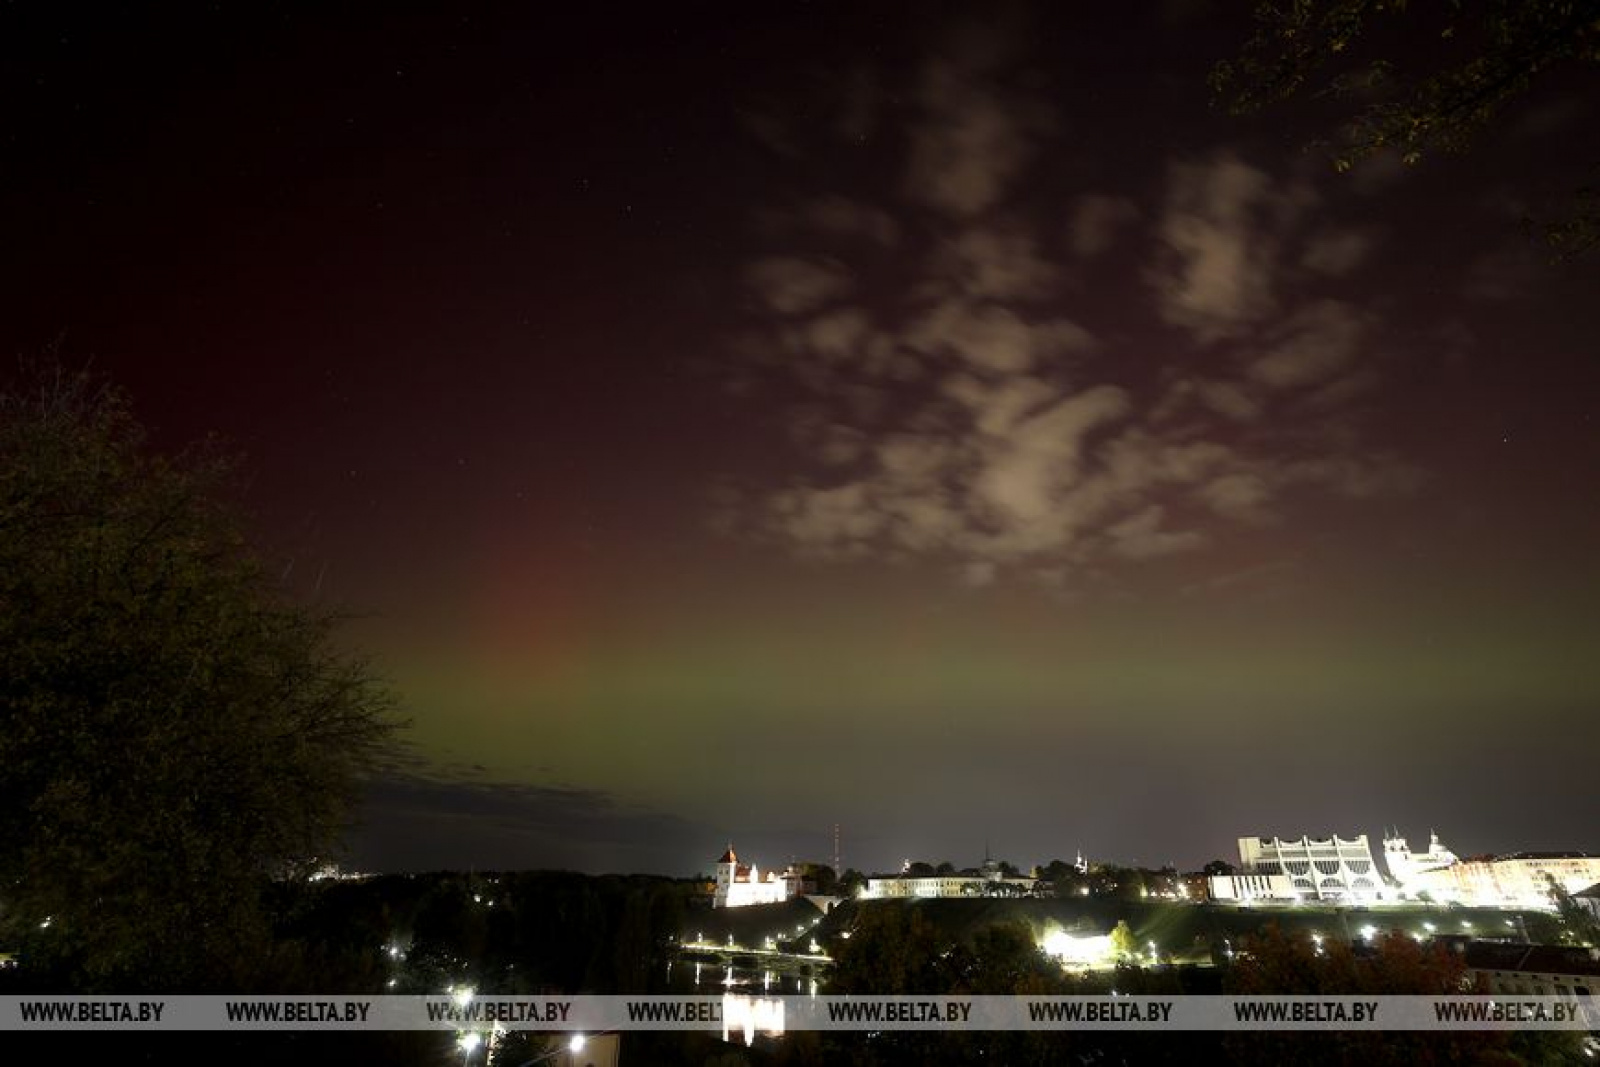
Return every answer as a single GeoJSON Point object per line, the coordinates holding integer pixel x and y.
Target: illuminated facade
{"type": "Point", "coordinates": [1406, 867]}
{"type": "Point", "coordinates": [986, 882]}
{"type": "Point", "coordinates": [946, 885]}
{"type": "Point", "coordinates": [1520, 880]}
{"type": "Point", "coordinates": [1245, 888]}
{"type": "Point", "coordinates": [740, 886]}
{"type": "Point", "coordinates": [1318, 868]}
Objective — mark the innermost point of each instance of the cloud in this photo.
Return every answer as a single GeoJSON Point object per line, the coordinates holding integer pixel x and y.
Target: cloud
{"type": "Point", "coordinates": [835, 521]}
{"type": "Point", "coordinates": [1358, 477]}
{"type": "Point", "coordinates": [996, 263]}
{"type": "Point", "coordinates": [1022, 475]}
{"type": "Point", "coordinates": [1240, 496]}
{"type": "Point", "coordinates": [841, 216]}
{"type": "Point", "coordinates": [1096, 218]}
{"type": "Point", "coordinates": [1336, 252]}
{"type": "Point", "coordinates": [791, 285]}
{"type": "Point", "coordinates": [960, 415]}
{"type": "Point", "coordinates": [1317, 342]}
{"type": "Point", "coordinates": [992, 338]}
{"type": "Point", "coordinates": [1140, 536]}
{"type": "Point", "coordinates": [1223, 224]}
{"type": "Point", "coordinates": [971, 142]}
{"type": "Point", "coordinates": [1235, 401]}
{"type": "Point", "coordinates": [840, 446]}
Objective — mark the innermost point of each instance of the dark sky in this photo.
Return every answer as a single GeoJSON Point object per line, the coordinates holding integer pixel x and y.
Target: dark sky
{"type": "Point", "coordinates": [735, 420]}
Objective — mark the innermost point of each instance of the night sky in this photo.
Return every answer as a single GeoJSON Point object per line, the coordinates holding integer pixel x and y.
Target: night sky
{"type": "Point", "coordinates": [729, 421]}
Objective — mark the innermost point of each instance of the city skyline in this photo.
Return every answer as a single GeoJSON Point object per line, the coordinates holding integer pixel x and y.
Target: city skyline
{"type": "Point", "coordinates": [951, 427]}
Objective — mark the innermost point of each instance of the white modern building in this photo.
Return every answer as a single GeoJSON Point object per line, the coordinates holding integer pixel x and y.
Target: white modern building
{"type": "Point", "coordinates": [1248, 888]}
{"type": "Point", "coordinates": [739, 886]}
{"type": "Point", "coordinates": [1318, 868]}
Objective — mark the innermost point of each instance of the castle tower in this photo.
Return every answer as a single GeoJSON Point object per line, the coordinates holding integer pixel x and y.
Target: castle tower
{"type": "Point", "coordinates": [727, 872]}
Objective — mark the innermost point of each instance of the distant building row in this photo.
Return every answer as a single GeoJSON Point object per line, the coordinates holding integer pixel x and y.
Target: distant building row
{"type": "Point", "coordinates": [1338, 870]}
{"type": "Point", "coordinates": [739, 885]}
{"type": "Point", "coordinates": [987, 881]}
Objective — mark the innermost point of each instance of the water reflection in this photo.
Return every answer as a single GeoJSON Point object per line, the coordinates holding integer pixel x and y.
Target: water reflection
{"type": "Point", "coordinates": [749, 1014]}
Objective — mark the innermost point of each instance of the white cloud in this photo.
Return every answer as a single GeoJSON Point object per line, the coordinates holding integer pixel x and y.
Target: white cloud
{"type": "Point", "coordinates": [963, 421]}
{"type": "Point", "coordinates": [1223, 224]}
{"type": "Point", "coordinates": [1023, 475]}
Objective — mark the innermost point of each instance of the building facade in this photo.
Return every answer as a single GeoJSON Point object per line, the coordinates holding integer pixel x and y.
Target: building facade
{"type": "Point", "coordinates": [1331, 868]}
{"type": "Point", "coordinates": [1247, 888]}
{"type": "Point", "coordinates": [740, 886]}
{"type": "Point", "coordinates": [946, 885]}
{"type": "Point", "coordinates": [1407, 867]}
{"type": "Point", "coordinates": [987, 881]}
{"type": "Point", "coordinates": [1519, 880]}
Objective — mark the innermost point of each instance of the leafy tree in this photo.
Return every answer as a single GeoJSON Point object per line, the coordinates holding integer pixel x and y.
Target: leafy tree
{"type": "Point", "coordinates": [891, 949]}
{"type": "Point", "coordinates": [175, 733]}
{"type": "Point", "coordinates": [1276, 962]}
{"type": "Point", "coordinates": [1218, 869]}
{"type": "Point", "coordinates": [1003, 957]}
{"type": "Point", "coordinates": [1581, 924]}
{"type": "Point", "coordinates": [1482, 56]}
{"type": "Point", "coordinates": [1124, 945]}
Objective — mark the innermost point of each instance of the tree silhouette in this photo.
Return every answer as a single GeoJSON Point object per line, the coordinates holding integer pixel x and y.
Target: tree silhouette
{"type": "Point", "coordinates": [175, 733]}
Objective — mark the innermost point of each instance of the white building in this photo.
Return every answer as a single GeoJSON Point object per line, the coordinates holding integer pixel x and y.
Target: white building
{"type": "Point", "coordinates": [988, 882]}
{"type": "Point", "coordinates": [1520, 880]}
{"type": "Point", "coordinates": [1318, 868]}
{"type": "Point", "coordinates": [1407, 867]}
{"type": "Point", "coordinates": [740, 886]}
{"type": "Point", "coordinates": [1245, 888]}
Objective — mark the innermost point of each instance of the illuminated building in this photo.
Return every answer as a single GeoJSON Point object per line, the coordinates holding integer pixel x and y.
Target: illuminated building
{"type": "Point", "coordinates": [1318, 868]}
{"type": "Point", "coordinates": [740, 886]}
{"type": "Point", "coordinates": [1244, 888]}
{"type": "Point", "coordinates": [1520, 880]}
{"type": "Point", "coordinates": [987, 882]}
{"type": "Point", "coordinates": [1406, 867]}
